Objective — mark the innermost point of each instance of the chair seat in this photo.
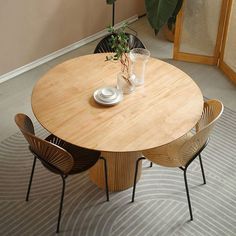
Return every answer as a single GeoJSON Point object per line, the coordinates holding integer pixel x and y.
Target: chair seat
{"type": "Point", "coordinates": [168, 155]}
{"type": "Point", "coordinates": [83, 158]}
{"type": "Point", "coordinates": [174, 147]}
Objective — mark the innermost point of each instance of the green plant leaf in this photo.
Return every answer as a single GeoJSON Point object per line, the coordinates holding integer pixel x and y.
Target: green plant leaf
{"type": "Point", "coordinates": [159, 11]}
{"type": "Point", "coordinates": [172, 19]}
{"type": "Point", "coordinates": [119, 41]}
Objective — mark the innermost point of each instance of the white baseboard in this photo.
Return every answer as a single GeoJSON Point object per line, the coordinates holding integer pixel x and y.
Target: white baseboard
{"type": "Point", "coordinates": [60, 52]}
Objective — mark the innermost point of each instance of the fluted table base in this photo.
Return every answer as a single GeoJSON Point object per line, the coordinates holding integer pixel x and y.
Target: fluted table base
{"type": "Point", "coordinates": [121, 169]}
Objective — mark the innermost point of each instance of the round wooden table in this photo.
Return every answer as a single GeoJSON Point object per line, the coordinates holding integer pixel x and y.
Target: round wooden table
{"type": "Point", "coordinates": [166, 107]}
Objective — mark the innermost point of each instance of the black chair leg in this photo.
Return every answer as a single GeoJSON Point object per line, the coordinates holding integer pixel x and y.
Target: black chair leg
{"type": "Point", "coordinates": [203, 174]}
{"type": "Point", "coordinates": [188, 196]}
{"type": "Point", "coordinates": [106, 180]}
{"type": "Point", "coordinates": [61, 203]}
{"type": "Point", "coordinates": [30, 181]}
{"type": "Point", "coordinates": [150, 164]}
{"type": "Point", "coordinates": [135, 177]}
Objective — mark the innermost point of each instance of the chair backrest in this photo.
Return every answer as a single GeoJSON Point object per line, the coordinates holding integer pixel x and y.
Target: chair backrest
{"type": "Point", "coordinates": [181, 151]}
{"type": "Point", "coordinates": [211, 113]}
{"type": "Point", "coordinates": [104, 45]}
{"type": "Point", "coordinates": [53, 157]}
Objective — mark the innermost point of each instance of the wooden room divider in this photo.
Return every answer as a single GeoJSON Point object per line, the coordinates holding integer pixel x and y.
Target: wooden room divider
{"type": "Point", "coordinates": [206, 33]}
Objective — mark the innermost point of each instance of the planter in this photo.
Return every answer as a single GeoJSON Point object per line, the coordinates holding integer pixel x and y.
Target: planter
{"type": "Point", "coordinates": [125, 84]}
{"type": "Point", "coordinates": [169, 34]}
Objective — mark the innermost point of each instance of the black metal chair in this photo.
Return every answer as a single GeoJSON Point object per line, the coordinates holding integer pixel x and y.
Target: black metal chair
{"type": "Point", "coordinates": [104, 45]}
{"type": "Point", "coordinates": [183, 151]}
{"type": "Point", "coordinates": [57, 156]}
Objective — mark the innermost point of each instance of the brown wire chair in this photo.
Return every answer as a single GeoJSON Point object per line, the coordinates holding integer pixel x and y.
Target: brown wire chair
{"type": "Point", "coordinates": [104, 45]}
{"type": "Point", "coordinates": [57, 156]}
{"type": "Point", "coordinates": [181, 152]}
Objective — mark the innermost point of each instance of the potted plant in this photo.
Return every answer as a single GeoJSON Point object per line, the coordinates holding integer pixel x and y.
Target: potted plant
{"type": "Point", "coordinates": [162, 12]}
{"type": "Point", "coordinates": [119, 42]}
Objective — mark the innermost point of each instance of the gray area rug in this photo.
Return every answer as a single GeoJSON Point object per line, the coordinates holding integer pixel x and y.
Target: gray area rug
{"type": "Point", "coordinates": [160, 206]}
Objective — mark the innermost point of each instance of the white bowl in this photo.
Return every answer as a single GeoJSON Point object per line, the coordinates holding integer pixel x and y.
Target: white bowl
{"type": "Point", "coordinates": [108, 96]}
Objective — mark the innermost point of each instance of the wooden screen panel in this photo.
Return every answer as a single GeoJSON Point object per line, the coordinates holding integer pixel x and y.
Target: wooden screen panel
{"type": "Point", "coordinates": [199, 30]}
{"type": "Point", "coordinates": [228, 56]}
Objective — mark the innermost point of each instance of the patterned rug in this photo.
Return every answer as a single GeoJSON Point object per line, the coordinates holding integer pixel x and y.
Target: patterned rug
{"type": "Point", "coordinates": [160, 206]}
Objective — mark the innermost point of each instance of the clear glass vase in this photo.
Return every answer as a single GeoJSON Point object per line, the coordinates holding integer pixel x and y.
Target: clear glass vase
{"type": "Point", "coordinates": [139, 58]}
{"type": "Point", "coordinates": [125, 83]}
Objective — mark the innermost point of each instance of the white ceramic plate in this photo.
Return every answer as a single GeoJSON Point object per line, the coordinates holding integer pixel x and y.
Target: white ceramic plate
{"type": "Point", "coordinates": [108, 96]}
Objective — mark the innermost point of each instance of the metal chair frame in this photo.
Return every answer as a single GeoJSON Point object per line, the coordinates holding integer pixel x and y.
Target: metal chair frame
{"type": "Point", "coordinates": [52, 147]}
{"type": "Point", "coordinates": [184, 169]}
{"type": "Point", "coordinates": [182, 151]}
{"type": "Point", "coordinates": [63, 177]}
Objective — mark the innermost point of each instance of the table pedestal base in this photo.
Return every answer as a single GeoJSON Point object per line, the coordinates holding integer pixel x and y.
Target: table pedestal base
{"type": "Point", "coordinates": [120, 168]}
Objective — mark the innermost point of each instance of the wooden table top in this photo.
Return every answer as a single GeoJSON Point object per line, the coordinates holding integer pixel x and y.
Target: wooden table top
{"type": "Point", "coordinates": [167, 106]}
